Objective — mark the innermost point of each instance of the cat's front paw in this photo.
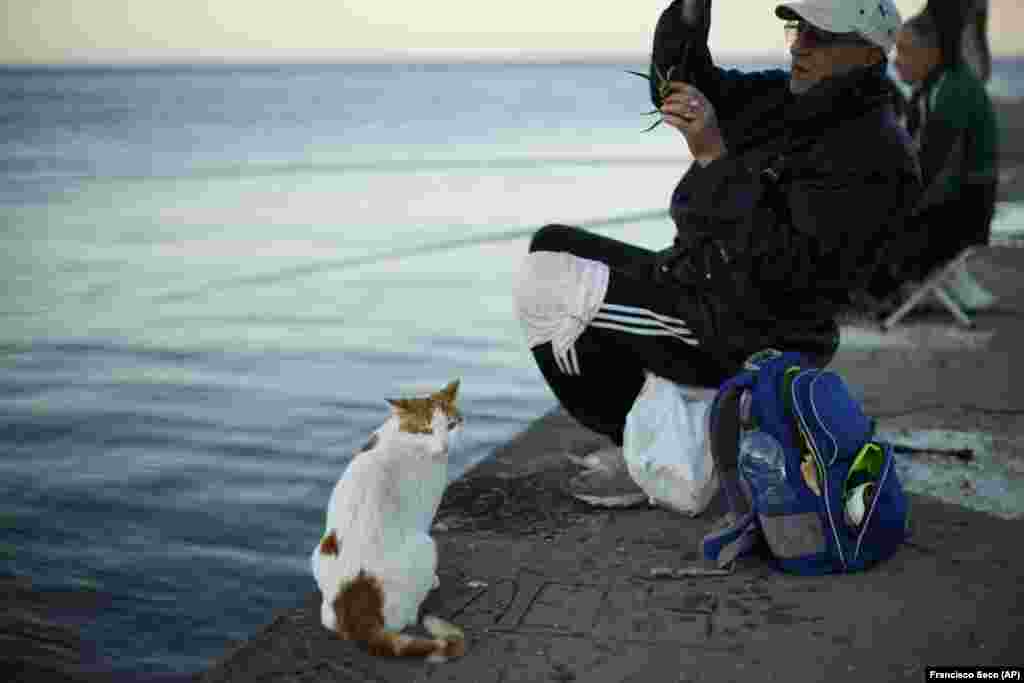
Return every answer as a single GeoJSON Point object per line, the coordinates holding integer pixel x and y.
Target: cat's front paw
{"type": "Point", "coordinates": [328, 617]}
{"type": "Point", "coordinates": [437, 583]}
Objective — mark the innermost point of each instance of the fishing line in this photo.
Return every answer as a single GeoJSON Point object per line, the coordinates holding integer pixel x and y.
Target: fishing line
{"type": "Point", "coordinates": [259, 170]}
{"type": "Point", "coordinates": [306, 270]}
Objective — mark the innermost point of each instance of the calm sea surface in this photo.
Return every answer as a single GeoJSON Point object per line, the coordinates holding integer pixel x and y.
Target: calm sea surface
{"type": "Point", "coordinates": [214, 276]}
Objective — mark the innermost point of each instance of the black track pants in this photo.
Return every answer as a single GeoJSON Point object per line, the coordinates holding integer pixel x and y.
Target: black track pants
{"type": "Point", "coordinates": [641, 325]}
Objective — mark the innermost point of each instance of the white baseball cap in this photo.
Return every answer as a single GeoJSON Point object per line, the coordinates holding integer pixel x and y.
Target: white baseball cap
{"type": "Point", "coordinates": [877, 21]}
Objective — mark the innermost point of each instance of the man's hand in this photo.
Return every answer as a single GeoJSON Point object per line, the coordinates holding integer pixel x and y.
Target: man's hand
{"type": "Point", "coordinates": [689, 111]}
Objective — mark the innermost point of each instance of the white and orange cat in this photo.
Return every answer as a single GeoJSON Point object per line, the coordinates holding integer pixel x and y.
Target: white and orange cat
{"type": "Point", "coordinates": [376, 561]}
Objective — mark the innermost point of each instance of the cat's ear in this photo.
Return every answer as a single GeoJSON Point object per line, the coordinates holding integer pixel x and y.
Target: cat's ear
{"type": "Point", "coordinates": [448, 393]}
{"type": "Point", "coordinates": [399, 405]}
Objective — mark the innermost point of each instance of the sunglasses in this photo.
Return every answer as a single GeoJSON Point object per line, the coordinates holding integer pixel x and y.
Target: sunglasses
{"type": "Point", "coordinates": [812, 36]}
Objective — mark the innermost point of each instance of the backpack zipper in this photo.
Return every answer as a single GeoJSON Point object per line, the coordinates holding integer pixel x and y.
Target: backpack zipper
{"type": "Point", "coordinates": [874, 502]}
{"type": "Point", "coordinates": [820, 461]}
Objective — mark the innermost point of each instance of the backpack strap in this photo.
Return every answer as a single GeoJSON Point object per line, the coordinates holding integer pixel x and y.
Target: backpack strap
{"type": "Point", "coordinates": [737, 533]}
{"type": "Point", "coordinates": [730, 411]}
{"type": "Point", "coordinates": [725, 448]}
{"type": "Point", "coordinates": [732, 537]}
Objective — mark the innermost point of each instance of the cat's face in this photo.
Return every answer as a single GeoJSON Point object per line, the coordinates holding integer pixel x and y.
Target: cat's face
{"type": "Point", "coordinates": [427, 415]}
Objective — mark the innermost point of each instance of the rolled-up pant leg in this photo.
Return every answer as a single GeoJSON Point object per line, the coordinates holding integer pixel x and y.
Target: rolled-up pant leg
{"type": "Point", "coordinates": [639, 326]}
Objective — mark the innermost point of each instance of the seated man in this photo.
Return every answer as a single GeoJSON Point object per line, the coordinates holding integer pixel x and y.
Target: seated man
{"type": "Point", "coordinates": [800, 179]}
{"type": "Point", "coordinates": [953, 125]}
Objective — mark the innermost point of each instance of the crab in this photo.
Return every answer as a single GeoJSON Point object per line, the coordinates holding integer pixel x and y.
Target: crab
{"type": "Point", "coordinates": [663, 90]}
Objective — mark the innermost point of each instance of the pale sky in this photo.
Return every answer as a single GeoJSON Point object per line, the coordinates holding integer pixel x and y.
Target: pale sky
{"type": "Point", "coordinates": [60, 31]}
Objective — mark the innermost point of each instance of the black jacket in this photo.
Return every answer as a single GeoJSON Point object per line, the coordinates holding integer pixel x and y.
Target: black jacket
{"type": "Point", "coordinates": [776, 235]}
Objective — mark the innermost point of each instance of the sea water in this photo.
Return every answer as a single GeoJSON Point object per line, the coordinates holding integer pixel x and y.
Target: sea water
{"type": "Point", "coordinates": [214, 276]}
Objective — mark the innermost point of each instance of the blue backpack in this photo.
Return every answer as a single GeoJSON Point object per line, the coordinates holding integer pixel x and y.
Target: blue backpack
{"type": "Point", "coordinates": [802, 446]}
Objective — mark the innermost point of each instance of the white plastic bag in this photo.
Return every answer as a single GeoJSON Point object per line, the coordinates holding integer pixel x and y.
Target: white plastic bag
{"type": "Point", "coordinates": [666, 445]}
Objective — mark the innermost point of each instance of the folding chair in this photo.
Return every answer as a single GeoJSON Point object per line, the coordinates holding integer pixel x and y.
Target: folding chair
{"type": "Point", "coordinates": [932, 285]}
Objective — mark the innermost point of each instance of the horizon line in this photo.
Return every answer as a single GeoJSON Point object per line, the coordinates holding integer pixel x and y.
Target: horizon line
{"type": "Point", "coordinates": [492, 57]}
{"type": "Point", "coordinates": [256, 64]}
{"type": "Point", "coordinates": [371, 59]}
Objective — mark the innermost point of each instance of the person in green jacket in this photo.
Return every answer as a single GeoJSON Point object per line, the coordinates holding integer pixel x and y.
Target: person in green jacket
{"type": "Point", "coordinates": [953, 126]}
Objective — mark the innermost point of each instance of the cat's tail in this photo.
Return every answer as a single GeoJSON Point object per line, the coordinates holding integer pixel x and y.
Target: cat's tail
{"type": "Point", "coordinates": [360, 617]}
